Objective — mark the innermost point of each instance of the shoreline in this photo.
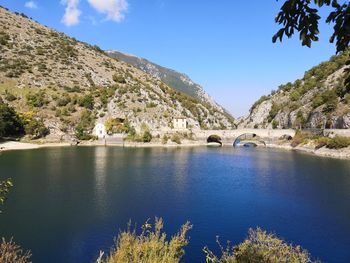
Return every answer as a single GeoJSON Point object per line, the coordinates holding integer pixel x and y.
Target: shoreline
{"type": "Point", "coordinates": [18, 146]}
{"type": "Point", "coordinates": [343, 154]}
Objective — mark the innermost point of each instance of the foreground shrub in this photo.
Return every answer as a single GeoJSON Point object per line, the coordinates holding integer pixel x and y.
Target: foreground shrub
{"type": "Point", "coordinates": [12, 253]}
{"type": "Point", "coordinates": [260, 247]}
{"type": "Point", "coordinates": [150, 246]}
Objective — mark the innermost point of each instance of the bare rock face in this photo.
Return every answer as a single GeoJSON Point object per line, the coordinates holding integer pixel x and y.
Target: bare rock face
{"type": "Point", "coordinates": [316, 120]}
{"type": "Point", "coordinates": [343, 122]}
{"type": "Point", "coordinates": [257, 118]}
{"type": "Point", "coordinates": [283, 119]}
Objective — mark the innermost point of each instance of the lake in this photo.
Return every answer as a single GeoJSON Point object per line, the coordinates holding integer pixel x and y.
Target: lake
{"type": "Point", "coordinates": [68, 203]}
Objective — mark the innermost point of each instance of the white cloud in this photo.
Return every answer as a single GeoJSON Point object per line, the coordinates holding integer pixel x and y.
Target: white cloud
{"type": "Point", "coordinates": [31, 5]}
{"type": "Point", "coordinates": [72, 12]}
{"type": "Point", "coordinates": [114, 9]}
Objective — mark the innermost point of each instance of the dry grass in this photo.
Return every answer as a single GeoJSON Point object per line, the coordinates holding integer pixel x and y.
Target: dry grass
{"type": "Point", "coordinates": [150, 246]}
{"type": "Point", "coordinates": [12, 253]}
{"type": "Point", "coordinates": [260, 247]}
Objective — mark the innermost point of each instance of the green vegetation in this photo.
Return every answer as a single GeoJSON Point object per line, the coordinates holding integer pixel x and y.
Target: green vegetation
{"type": "Point", "coordinates": [37, 100]}
{"type": "Point", "coordinates": [18, 124]}
{"type": "Point", "coordinates": [85, 126]}
{"type": "Point", "coordinates": [275, 108]}
{"type": "Point", "coordinates": [9, 96]}
{"type": "Point", "coordinates": [300, 120]}
{"type": "Point", "coordinates": [274, 124]}
{"type": "Point", "coordinates": [147, 136]}
{"type": "Point", "coordinates": [63, 100]}
{"type": "Point", "coordinates": [165, 139]}
{"type": "Point", "coordinates": [300, 16]}
{"type": "Point", "coordinates": [33, 127]}
{"type": "Point", "coordinates": [119, 78]}
{"type": "Point", "coordinates": [4, 39]}
{"type": "Point", "coordinates": [337, 142]}
{"type": "Point", "coordinates": [150, 246]}
{"type": "Point", "coordinates": [86, 101]}
{"type": "Point", "coordinates": [260, 247]}
{"type": "Point", "coordinates": [176, 138]}
{"type": "Point", "coordinates": [115, 126]}
{"type": "Point", "coordinates": [144, 137]}
{"type": "Point", "coordinates": [10, 122]}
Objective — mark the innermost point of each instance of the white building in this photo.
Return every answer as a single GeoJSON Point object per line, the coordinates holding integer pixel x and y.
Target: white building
{"type": "Point", "coordinates": [180, 123]}
{"type": "Point", "coordinates": [100, 130]}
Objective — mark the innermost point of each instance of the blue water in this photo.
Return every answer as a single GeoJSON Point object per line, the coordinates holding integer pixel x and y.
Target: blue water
{"type": "Point", "coordinates": [69, 203]}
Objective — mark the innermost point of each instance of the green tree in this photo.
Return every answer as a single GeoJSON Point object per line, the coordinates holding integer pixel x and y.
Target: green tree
{"type": "Point", "coordinates": [86, 101]}
{"type": "Point", "coordinates": [85, 125]}
{"type": "Point", "coordinates": [10, 123]}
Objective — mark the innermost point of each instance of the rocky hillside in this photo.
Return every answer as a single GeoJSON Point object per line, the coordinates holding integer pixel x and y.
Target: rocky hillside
{"type": "Point", "coordinates": [172, 78]}
{"type": "Point", "coordinates": [318, 100]}
{"type": "Point", "coordinates": [65, 82]}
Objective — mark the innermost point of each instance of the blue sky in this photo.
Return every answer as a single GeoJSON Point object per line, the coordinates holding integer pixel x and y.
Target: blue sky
{"type": "Point", "coordinates": [223, 45]}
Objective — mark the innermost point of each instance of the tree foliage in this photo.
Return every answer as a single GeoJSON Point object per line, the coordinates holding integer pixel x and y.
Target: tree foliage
{"type": "Point", "coordinates": [303, 16]}
{"type": "Point", "coordinates": [10, 123]}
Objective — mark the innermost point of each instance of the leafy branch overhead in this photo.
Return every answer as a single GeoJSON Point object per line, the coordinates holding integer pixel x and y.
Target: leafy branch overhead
{"type": "Point", "coordinates": [303, 16]}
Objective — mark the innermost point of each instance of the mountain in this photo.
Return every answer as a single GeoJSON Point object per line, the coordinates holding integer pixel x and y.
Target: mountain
{"type": "Point", "coordinates": [319, 100]}
{"type": "Point", "coordinates": [172, 78]}
{"type": "Point", "coordinates": [70, 84]}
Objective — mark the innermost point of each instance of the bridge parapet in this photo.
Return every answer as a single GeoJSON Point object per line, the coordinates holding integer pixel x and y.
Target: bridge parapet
{"type": "Point", "coordinates": [232, 134]}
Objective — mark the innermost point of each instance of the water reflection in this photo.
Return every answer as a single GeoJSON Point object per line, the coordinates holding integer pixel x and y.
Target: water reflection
{"type": "Point", "coordinates": [68, 203]}
{"type": "Point", "coordinates": [100, 174]}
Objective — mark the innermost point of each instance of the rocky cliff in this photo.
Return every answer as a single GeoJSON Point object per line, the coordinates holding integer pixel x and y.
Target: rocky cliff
{"type": "Point", "coordinates": [319, 100]}
{"type": "Point", "coordinates": [178, 81]}
{"type": "Point", "coordinates": [63, 81]}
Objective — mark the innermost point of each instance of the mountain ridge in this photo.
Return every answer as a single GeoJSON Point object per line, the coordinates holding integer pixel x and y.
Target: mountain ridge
{"type": "Point", "coordinates": [179, 81]}
{"type": "Point", "coordinates": [58, 78]}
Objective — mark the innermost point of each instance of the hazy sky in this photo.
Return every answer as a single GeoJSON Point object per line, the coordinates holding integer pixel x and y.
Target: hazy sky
{"type": "Point", "coordinates": [223, 45]}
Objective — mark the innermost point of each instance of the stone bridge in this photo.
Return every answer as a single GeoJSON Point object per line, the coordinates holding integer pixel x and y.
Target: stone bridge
{"type": "Point", "coordinates": [228, 136]}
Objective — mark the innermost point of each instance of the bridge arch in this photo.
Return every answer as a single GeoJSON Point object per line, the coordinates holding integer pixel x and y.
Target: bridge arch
{"type": "Point", "coordinates": [214, 138]}
{"type": "Point", "coordinates": [250, 138]}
